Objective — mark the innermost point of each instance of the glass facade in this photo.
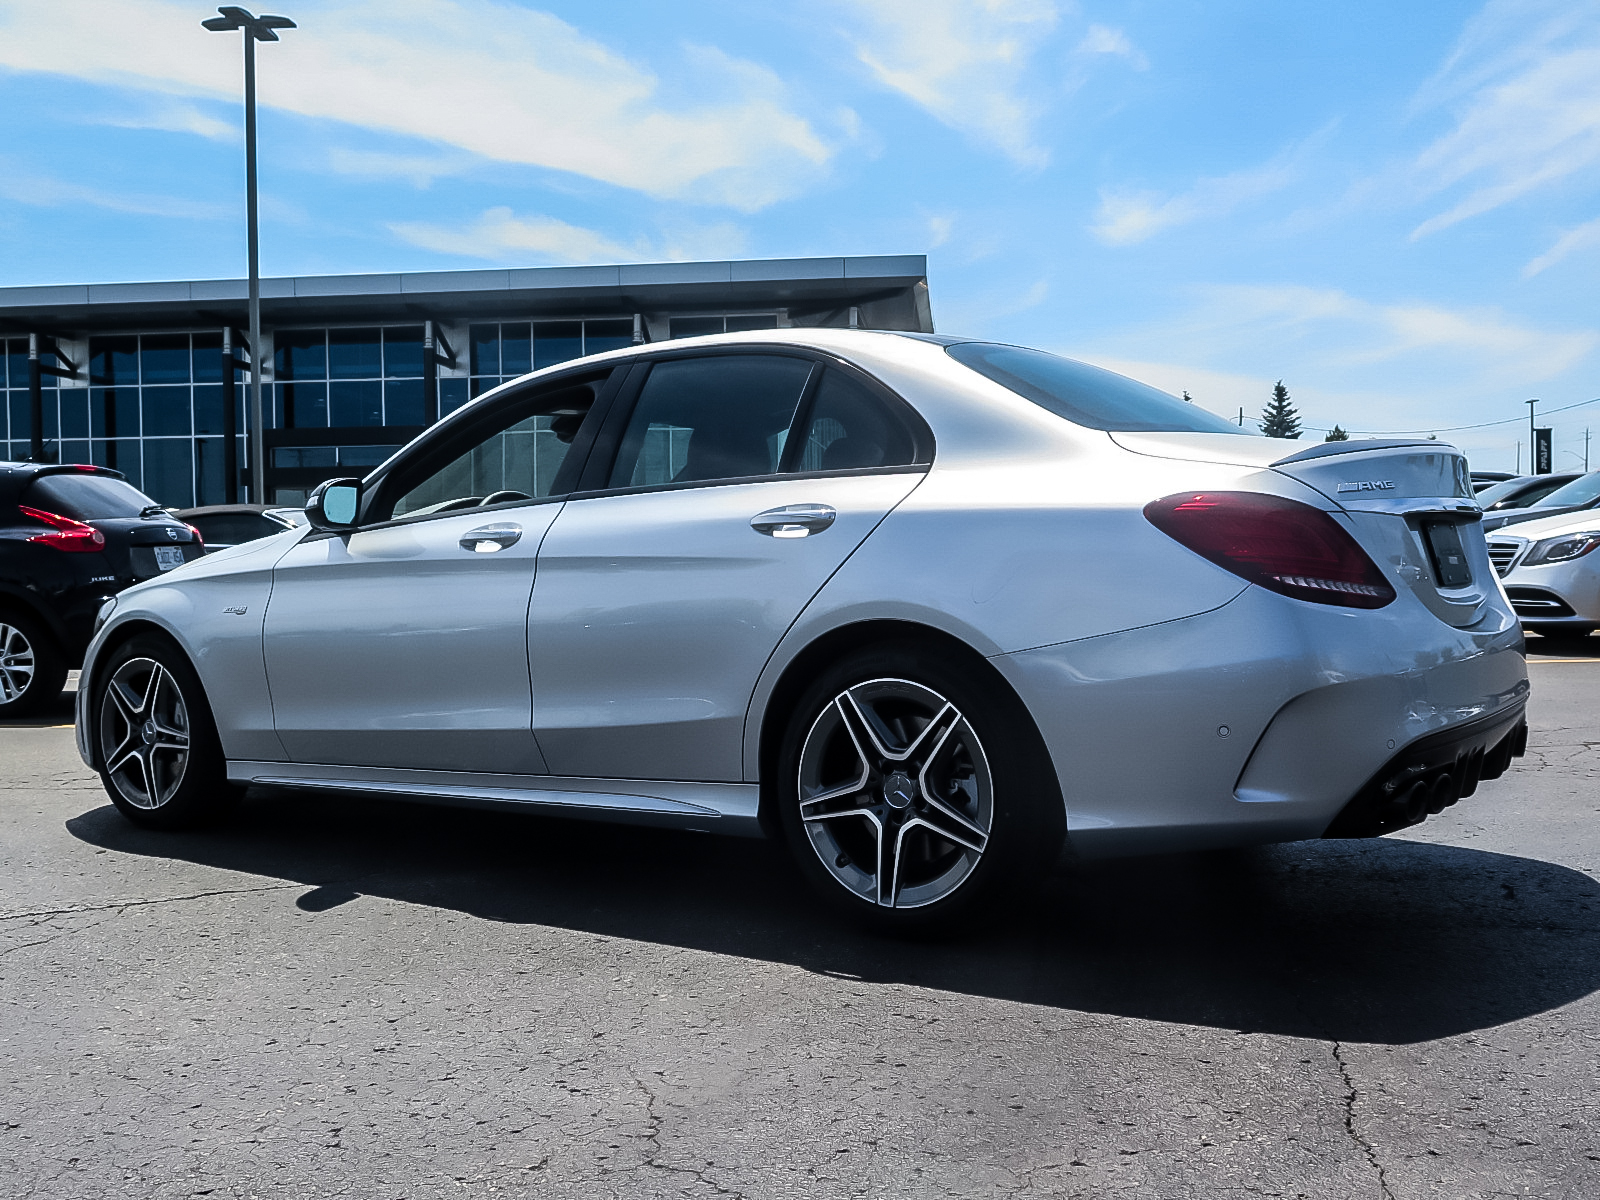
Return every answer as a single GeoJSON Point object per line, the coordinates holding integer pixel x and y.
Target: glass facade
{"type": "Point", "coordinates": [152, 407]}
{"type": "Point", "coordinates": [16, 424]}
{"type": "Point", "coordinates": [504, 350]}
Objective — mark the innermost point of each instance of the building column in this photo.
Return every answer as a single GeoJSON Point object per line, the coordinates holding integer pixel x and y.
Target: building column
{"type": "Point", "coordinates": [230, 420]}
{"type": "Point", "coordinates": [35, 401]}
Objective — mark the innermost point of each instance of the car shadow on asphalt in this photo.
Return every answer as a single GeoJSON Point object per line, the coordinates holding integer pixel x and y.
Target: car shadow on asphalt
{"type": "Point", "coordinates": [1373, 941]}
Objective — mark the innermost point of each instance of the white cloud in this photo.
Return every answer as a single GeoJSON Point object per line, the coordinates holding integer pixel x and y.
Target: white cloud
{"type": "Point", "coordinates": [507, 83]}
{"type": "Point", "coordinates": [43, 191]}
{"type": "Point", "coordinates": [1574, 240]}
{"type": "Point", "coordinates": [939, 230]}
{"type": "Point", "coordinates": [499, 235]}
{"type": "Point", "coordinates": [420, 170]}
{"type": "Point", "coordinates": [176, 116]}
{"type": "Point", "coordinates": [965, 61]}
{"type": "Point", "coordinates": [1127, 217]}
{"type": "Point", "coordinates": [1102, 39]}
{"type": "Point", "coordinates": [1523, 85]}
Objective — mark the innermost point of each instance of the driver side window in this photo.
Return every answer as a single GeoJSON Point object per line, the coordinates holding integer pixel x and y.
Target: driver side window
{"type": "Point", "coordinates": [515, 458]}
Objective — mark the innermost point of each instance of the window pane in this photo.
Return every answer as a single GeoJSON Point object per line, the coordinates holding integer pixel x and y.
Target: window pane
{"type": "Point", "coordinates": [208, 408]}
{"type": "Point", "coordinates": [85, 497]}
{"type": "Point", "coordinates": [480, 386]}
{"type": "Point", "coordinates": [452, 395]}
{"type": "Point", "coordinates": [303, 405]}
{"type": "Point", "coordinates": [522, 457]}
{"type": "Point", "coordinates": [74, 413]}
{"type": "Point", "coordinates": [402, 402]}
{"type": "Point", "coordinates": [733, 410]}
{"type": "Point", "coordinates": [402, 351]}
{"type": "Point", "coordinates": [741, 324]}
{"type": "Point", "coordinates": [304, 456]}
{"type": "Point", "coordinates": [355, 403]}
{"type": "Point", "coordinates": [850, 427]}
{"type": "Point", "coordinates": [300, 354]}
{"type": "Point", "coordinates": [21, 421]}
{"type": "Point", "coordinates": [515, 354]}
{"type": "Point", "coordinates": [114, 412]}
{"type": "Point", "coordinates": [354, 354]}
{"type": "Point", "coordinates": [113, 360]}
{"type": "Point", "coordinates": [74, 452]}
{"type": "Point", "coordinates": [123, 455]}
{"type": "Point", "coordinates": [600, 336]}
{"type": "Point", "coordinates": [555, 342]}
{"type": "Point", "coordinates": [208, 472]}
{"type": "Point", "coordinates": [485, 350]}
{"type": "Point", "coordinates": [164, 358]}
{"type": "Point", "coordinates": [364, 456]}
{"type": "Point", "coordinates": [695, 326]}
{"type": "Point", "coordinates": [165, 410]}
{"type": "Point", "coordinates": [207, 357]}
{"type": "Point", "coordinates": [169, 471]}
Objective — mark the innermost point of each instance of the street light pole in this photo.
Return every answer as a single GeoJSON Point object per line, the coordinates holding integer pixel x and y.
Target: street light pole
{"type": "Point", "coordinates": [1533, 440]}
{"type": "Point", "coordinates": [256, 29]}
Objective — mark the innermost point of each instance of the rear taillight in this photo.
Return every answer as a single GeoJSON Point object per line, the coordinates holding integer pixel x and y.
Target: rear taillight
{"type": "Point", "coordinates": [1283, 545]}
{"type": "Point", "coordinates": [199, 541]}
{"type": "Point", "coordinates": [65, 534]}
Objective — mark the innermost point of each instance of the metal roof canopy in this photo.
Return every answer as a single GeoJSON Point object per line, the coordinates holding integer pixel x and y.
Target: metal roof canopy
{"type": "Point", "coordinates": [891, 292]}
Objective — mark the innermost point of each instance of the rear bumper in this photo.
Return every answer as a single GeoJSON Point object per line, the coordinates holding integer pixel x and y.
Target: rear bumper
{"type": "Point", "coordinates": [1433, 773]}
{"type": "Point", "coordinates": [1259, 721]}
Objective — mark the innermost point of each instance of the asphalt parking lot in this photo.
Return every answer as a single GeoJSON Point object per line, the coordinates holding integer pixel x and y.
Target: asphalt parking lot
{"type": "Point", "coordinates": [338, 997]}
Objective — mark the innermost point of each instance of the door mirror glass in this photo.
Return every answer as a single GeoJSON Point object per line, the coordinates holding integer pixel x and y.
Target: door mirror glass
{"type": "Point", "coordinates": [334, 504]}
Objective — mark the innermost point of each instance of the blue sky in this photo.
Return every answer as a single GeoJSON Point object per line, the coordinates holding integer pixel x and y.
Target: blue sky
{"type": "Point", "coordinates": [1393, 208]}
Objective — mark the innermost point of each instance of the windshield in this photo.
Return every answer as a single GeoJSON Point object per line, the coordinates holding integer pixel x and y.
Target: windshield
{"type": "Point", "coordinates": [1583, 490]}
{"type": "Point", "coordinates": [86, 497]}
{"type": "Point", "coordinates": [1087, 395]}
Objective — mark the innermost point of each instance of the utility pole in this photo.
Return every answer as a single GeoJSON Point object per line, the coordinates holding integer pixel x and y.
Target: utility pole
{"type": "Point", "coordinates": [255, 29]}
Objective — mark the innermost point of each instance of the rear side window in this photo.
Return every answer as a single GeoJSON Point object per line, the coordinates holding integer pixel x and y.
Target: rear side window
{"type": "Point", "coordinates": [229, 529]}
{"type": "Point", "coordinates": [849, 427]}
{"type": "Point", "coordinates": [86, 497]}
{"type": "Point", "coordinates": [721, 417]}
{"type": "Point", "coordinates": [1085, 395]}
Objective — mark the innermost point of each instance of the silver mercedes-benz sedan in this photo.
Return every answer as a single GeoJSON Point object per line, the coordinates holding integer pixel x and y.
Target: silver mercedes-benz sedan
{"type": "Point", "coordinates": [930, 610]}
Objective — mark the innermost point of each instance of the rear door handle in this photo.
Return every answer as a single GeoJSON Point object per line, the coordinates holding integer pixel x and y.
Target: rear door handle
{"type": "Point", "coordinates": [487, 539]}
{"type": "Point", "coordinates": [794, 520]}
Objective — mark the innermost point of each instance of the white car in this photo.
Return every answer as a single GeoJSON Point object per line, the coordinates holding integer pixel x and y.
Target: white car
{"type": "Point", "coordinates": [928, 609]}
{"type": "Point", "coordinates": [1551, 573]}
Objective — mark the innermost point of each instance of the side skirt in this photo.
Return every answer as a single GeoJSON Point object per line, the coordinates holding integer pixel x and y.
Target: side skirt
{"type": "Point", "coordinates": [726, 808]}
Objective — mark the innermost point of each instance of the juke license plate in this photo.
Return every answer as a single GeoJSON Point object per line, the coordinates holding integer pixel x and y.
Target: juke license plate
{"type": "Point", "coordinates": [168, 557]}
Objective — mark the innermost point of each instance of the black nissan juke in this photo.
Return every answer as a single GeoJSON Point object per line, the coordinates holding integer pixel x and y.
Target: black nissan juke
{"type": "Point", "coordinates": [71, 537]}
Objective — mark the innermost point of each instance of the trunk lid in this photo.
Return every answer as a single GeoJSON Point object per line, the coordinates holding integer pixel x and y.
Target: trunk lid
{"type": "Point", "coordinates": [1409, 502]}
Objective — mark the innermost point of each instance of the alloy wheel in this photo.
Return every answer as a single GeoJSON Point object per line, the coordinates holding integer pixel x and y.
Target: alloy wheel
{"type": "Point", "coordinates": [16, 663]}
{"type": "Point", "coordinates": [144, 733]}
{"type": "Point", "coordinates": [895, 793]}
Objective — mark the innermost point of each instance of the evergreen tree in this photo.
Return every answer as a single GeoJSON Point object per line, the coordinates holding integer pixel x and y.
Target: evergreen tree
{"type": "Point", "coordinates": [1279, 418]}
{"type": "Point", "coordinates": [1337, 435]}
{"type": "Point", "coordinates": [1188, 397]}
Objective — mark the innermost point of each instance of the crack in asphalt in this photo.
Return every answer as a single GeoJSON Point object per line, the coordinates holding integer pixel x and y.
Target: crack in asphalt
{"type": "Point", "coordinates": [1361, 1142]}
{"type": "Point", "coordinates": [653, 1136]}
{"type": "Point", "coordinates": [73, 909]}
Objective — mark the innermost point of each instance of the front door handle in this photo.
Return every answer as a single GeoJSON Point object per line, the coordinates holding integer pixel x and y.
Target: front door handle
{"type": "Point", "coordinates": [794, 520]}
{"type": "Point", "coordinates": [487, 539]}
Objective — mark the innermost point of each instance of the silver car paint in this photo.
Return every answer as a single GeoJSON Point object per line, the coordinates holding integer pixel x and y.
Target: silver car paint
{"type": "Point", "coordinates": [400, 647]}
{"type": "Point", "coordinates": [1026, 540]}
{"type": "Point", "coordinates": [654, 614]}
{"type": "Point", "coordinates": [1577, 581]}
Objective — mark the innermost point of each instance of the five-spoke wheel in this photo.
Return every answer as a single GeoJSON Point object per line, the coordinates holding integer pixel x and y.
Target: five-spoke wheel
{"type": "Point", "coordinates": [895, 793]}
{"type": "Point", "coordinates": [32, 668]}
{"type": "Point", "coordinates": [913, 787]}
{"type": "Point", "coordinates": [155, 743]}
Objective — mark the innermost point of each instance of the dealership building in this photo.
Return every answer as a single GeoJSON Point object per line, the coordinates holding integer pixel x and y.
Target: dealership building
{"type": "Point", "coordinates": [141, 376]}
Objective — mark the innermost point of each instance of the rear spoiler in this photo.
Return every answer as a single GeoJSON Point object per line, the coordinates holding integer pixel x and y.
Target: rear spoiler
{"type": "Point", "coordinates": [1323, 449]}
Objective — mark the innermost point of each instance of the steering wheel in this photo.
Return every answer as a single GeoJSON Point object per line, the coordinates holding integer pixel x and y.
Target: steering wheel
{"type": "Point", "coordinates": [502, 496]}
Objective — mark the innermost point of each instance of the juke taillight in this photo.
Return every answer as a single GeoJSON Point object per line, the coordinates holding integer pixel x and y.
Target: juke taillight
{"type": "Point", "coordinates": [1282, 545]}
{"type": "Point", "coordinates": [65, 534]}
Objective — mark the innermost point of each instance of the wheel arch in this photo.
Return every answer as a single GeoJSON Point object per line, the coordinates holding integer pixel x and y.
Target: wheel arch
{"type": "Point", "coordinates": [116, 637]}
{"type": "Point", "coordinates": [16, 600]}
{"type": "Point", "coordinates": [785, 693]}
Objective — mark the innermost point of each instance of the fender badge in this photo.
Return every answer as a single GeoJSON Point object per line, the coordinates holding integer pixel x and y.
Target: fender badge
{"type": "Point", "coordinates": [1368, 485]}
{"type": "Point", "coordinates": [238, 612]}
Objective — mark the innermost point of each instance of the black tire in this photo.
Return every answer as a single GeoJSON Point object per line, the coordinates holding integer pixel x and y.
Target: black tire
{"type": "Point", "coordinates": [154, 739]}
{"type": "Point", "coordinates": [1557, 633]}
{"type": "Point", "coordinates": [33, 669]}
{"type": "Point", "coordinates": [928, 882]}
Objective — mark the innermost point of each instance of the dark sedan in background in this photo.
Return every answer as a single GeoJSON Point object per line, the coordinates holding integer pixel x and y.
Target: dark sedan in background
{"type": "Point", "coordinates": [71, 537]}
{"type": "Point", "coordinates": [1581, 493]}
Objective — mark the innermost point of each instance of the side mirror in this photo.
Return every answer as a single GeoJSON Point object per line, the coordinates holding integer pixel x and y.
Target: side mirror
{"type": "Point", "coordinates": [333, 505]}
